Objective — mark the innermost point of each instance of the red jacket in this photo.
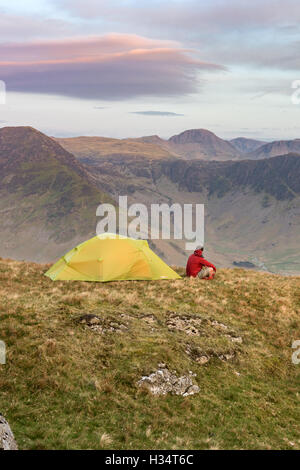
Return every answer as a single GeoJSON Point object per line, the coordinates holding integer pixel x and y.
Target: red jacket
{"type": "Point", "coordinates": [196, 262]}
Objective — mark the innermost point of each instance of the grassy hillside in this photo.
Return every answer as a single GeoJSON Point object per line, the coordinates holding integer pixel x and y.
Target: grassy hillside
{"type": "Point", "coordinates": [67, 386]}
{"type": "Point", "coordinates": [104, 146]}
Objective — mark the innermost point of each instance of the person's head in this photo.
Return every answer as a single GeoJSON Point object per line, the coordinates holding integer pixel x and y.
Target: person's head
{"type": "Point", "coordinates": [199, 251]}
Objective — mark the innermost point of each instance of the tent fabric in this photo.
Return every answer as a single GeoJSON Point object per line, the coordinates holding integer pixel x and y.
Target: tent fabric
{"type": "Point", "coordinates": [111, 257]}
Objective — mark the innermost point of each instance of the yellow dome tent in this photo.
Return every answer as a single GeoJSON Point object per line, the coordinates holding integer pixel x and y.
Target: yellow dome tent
{"type": "Point", "coordinates": [110, 257]}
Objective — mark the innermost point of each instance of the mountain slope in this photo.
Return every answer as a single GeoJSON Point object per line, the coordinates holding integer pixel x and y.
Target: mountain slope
{"type": "Point", "coordinates": [278, 176]}
{"type": "Point", "coordinates": [252, 207]}
{"type": "Point", "coordinates": [106, 147]}
{"type": "Point", "coordinates": [203, 144]}
{"type": "Point", "coordinates": [245, 145]}
{"type": "Point", "coordinates": [152, 139]}
{"type": "Point", "coordinates": [48, 200]}
{"type": "Point", "coordinates": [276, 148]}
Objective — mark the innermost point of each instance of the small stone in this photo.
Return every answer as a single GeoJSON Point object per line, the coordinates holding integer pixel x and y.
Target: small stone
{"type": "Point", "coordinates": [226, 357]}
{"type": "Point", "coordinates": [236, 339]}
{"type": "Point", "coordinates": [149, 319]}
{"type": "Point", "coordinates": [202, 359]}
{"type": "Point", "coordinates": [94, 320]}
{"type": "Point", "coordinates": [161, 365]}
{"type": "Point", "coordinates": [89, 319]}
{"type": "Point", "coordinates": [125, 316]}
{"type": "Point", "coordinates": [192, 390]}
{"type": "Point", "coordinates": [221, 325]}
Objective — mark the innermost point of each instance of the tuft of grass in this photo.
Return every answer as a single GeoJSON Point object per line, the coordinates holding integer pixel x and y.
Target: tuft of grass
{"type": "Point", "coordinates": [68, 386]}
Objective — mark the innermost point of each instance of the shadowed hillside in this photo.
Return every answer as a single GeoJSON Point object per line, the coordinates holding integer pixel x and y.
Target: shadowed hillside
{"type": "Point", "coordinates": [71, 383]}
{"type": "Point", "coordinates": [48, 200]}
{"type": "Point", "coordinates": [252, 208]}
{"type": "Point", "coordinates": [245, 145]}
{"type": "Point", "coordinates": [275, 148]}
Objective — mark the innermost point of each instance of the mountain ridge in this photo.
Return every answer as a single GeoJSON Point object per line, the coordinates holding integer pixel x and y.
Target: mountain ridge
{"type": "Point", "coordinates": [191, 144]}
{"type": "Point", "coordinates": [277, 147]}
{"type": "Point", "coordinates": [246, 145]}
{"type": "Point", "coordinates": [48, 200]}
{"type": "Point", "coordinates": [104, 146]}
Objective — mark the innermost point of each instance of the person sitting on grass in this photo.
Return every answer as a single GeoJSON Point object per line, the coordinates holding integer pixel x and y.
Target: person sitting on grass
{"type": "Point", "coordinates": [197, 266]}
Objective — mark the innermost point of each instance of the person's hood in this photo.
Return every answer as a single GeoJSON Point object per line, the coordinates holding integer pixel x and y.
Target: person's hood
{"type": "Point", "coordinates": [198, 253]}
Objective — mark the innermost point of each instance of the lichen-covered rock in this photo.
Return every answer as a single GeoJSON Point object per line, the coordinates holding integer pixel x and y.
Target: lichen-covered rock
{"type": "Point", "coordinates": [7, 440]}
{"type": "Point", "coordinates": [195, 325]}
{"type": "Point", "coordinates": [162, 381]}
{"type": "Point", "coordinates": [101, 325]}
{"type": "Point", "coordinates": [235, 339]}
{"type": "Point", "coordinates": [198, 355]}
{"type": "Point", "coordinates": [187, 324]}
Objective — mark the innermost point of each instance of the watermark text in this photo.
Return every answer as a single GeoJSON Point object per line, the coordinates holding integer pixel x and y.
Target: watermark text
{"type": "Point", "coordinates": [158, 221]}
{"type": "Point", "coordinates": [295, 98]}
{"type": "Point", "coordinates": [2, 352]}
{"type": "Point", "coordinates": [2, 92]}
{"type": "Point", "coordinates": [296, 354]}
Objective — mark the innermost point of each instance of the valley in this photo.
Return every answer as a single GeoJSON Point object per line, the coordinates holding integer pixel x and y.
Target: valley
{"type": "Point", "coordinates": [50, 189]}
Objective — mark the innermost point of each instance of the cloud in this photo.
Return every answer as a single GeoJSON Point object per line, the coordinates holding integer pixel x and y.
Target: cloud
{"type": "Point", "coordinates": [20, 27]}
{"type": "Point", "coordinates": [156, 113]}
{"type": "Point", "coordinates": [262, 33]}
{"type": "Point", "coordinates": [217, 14]}
{"type": "Point", "coordinates": [109, 67]}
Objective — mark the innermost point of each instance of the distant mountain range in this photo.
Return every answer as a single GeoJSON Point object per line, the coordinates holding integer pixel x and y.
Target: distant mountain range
{"type": "Point", "coordinates": [273, 149]}
{"type": "Point", "coordinates": [244, 145]}
{"type": "Point", "coordinates": [192, 144]}
{"type": "Point", "coordinates": [48, 197]}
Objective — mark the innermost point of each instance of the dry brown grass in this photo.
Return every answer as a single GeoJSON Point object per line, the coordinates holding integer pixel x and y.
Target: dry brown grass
{"type": "Point", "coordinates": [103, 146]}
{"type": "Point", "coordinates": [67, 386]}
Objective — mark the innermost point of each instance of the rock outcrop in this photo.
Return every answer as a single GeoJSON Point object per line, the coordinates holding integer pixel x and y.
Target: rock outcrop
{"type": "Point", "coordinates": [102, 325]}
{"type": "Point", "coordinates": [7, 440]}
{"type": "Point", "coordinates": [162, 381]}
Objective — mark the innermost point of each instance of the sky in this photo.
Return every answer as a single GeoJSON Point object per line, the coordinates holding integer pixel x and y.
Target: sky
{"type": "Point", "coordinates": [124, 68]}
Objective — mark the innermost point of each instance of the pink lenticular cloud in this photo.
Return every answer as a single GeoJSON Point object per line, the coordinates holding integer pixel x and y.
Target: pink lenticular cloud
{"type": "Point", "coordinates": [114, 66]}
